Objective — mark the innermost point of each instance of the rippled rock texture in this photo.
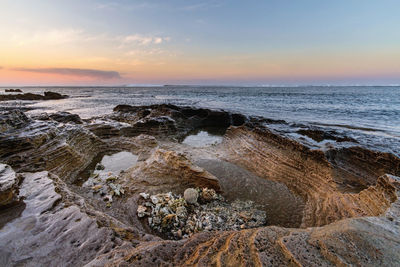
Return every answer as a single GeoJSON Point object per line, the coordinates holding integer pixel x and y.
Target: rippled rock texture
{"type": "Point", "coordinates": [8, 185]}
{"type": "Point", "coordinates": [337, 206]}
{"type": "Point", "coordinates": [339, 184]}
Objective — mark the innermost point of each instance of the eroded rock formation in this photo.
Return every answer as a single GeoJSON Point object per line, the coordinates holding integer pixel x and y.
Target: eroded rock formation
{"type": "Point", "coordinates": [8, 185]}
{"type": "Point", "coordinates": [167, 170]}
{"type": "Point", "coordinates": [311, 175]}
{"type": "Point", "coordinates": [340, 204]}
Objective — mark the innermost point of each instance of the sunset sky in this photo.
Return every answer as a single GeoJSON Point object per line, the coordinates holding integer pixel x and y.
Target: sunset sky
{"type": "Point", "coordinates": [94, 42]}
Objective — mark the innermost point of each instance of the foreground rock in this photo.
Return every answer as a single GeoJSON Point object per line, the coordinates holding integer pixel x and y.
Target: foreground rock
{"type": "Point", "coordinates": [337, 206]}
{"type": "Point", "coordinates": [30, 96]}
{"type": "Point", "coordinates": [30, 145]}
{"type": "Point", "coordinates": [51, 234]}
{"type": "Point", "coordinates": [368, 241]}
{"type": "Point", "coordinates": [8, 185]}
{"type": "Point", "coordinates": [174, 217]}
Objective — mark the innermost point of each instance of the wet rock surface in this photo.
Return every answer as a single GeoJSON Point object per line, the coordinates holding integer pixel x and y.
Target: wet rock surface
{"type": "Point", "coordinates": [281, 202]}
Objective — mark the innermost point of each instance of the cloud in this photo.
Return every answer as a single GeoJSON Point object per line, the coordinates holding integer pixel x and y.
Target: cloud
{"type": "Point", "coordinates": [111, 5]}
{"type": "Point", "coordinates": [125, 6]}
{"type": "Point", "coordinates": [145, 52]}
{"type": "Point", "coordinates": [91, 73]}
{"type": "Point", "coordinates": [202, 5]}
{"type": "Point", "coordinates": [144, 40]}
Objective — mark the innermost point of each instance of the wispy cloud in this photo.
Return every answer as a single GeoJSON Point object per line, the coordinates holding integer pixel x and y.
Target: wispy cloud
{"type": "Point", "coordinates": [202, 5]}
{"type": "Point", "coordinates": [144, 40]}
{"type": "Point", "coordinates": [110, 5]}
{"type": "Point", "coordinates": [145, 52]}
{"type": "Point", "coordinates": [90, 73]}
{"type": "Point", "coordinates": [116, 5]}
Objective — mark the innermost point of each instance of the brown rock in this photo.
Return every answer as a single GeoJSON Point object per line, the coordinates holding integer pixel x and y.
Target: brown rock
{"type": "Point", "coordinates": [8, 185]}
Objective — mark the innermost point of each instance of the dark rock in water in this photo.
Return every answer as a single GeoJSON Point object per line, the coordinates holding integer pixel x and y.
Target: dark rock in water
{"type": "Point", "coordinates": [30, 96]}
{"type": "Point", "coordinates": [13, 91]}
{"type": "Point", "coordinates": [65, 117]}
{"type": "Point", "coordinates": [320, 135]}
{"type": "Point", "coordinates": [52, 95]}
{"type": "Point", "coordinates": [173, 121]}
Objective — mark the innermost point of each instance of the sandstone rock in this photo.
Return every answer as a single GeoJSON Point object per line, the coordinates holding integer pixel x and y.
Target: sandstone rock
{"type": "Point", "coordinates": [309, 174]}
{"type": "Point", "coordinates": [350, 212]}
{"type": "Point", "coordinates": [13, 120]}
{"type": "Point", "coordinates": [191, 195]}
{"type": "Point", "coordinates": [29, 145]}
{"type": "Point", "coordinates": [8, 185]}
{"type": "Point", "coordinates": [46, 229]}
{"type": "Point", "coordinates": [169, 171]}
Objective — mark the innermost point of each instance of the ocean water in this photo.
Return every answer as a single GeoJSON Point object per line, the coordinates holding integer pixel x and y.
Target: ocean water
{"type": "Point", "coordinates": [370, 114]}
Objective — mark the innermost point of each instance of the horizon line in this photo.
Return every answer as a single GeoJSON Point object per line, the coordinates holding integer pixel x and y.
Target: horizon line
{"type": "Point", "coordinates": [205, 85]}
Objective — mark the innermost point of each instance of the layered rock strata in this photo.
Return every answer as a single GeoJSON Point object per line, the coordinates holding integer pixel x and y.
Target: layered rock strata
{"type": "Point", "coordinates": [316, 177]}
{"type": "Point", "coordinates": [342, 201]}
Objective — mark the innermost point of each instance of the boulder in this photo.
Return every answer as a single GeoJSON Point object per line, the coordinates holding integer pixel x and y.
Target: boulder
{"type": "Point", "coordinates": [8, 185]}
{"type": "Point", "coordinates": [191, 195]}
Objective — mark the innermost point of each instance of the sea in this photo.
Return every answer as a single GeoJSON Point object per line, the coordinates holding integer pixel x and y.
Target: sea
{"type": "Point", "coordinates": [370, 114]}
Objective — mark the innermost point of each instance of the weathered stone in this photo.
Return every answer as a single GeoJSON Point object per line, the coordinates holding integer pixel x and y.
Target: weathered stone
{"type": "Point", "coordinates": [191, 195]}
{"type": "Point", "coordinates": [46, 228]}
{"type": "Point", "coordinates": [66, 117]}
{"type": "Point", "coordinates": [349, 215]}
{"type": "Point", "coordinates": [8, 185]}
{"type": "Point", "coordinates": [141, 211]}
{"type": "Point", "coordinates": [144, 195]}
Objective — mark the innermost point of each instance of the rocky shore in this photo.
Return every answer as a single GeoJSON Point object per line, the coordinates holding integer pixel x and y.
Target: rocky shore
{"type": "Point", "coordinates": [128, 189]}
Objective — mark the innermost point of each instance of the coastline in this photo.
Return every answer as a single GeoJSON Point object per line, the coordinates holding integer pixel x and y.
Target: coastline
{"type": "Point", "coordinates": [315, 199]}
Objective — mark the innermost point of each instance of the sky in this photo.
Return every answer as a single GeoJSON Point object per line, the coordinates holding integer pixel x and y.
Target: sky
{"type": "Point", "coordinates": [263, 42]}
